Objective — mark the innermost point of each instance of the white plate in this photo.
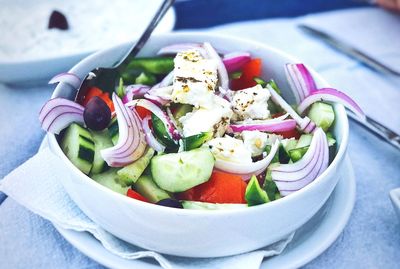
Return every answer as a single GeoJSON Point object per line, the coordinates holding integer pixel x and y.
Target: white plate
{"type": "Point", "coordinates": [31, 69]}
{"type": "Point", "coordinates": [310, 240]}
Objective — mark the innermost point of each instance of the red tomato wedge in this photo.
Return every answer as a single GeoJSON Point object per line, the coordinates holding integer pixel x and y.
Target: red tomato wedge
{"type": "Point", "coordinates": [142, 112]}
{"type": "Point", "coordinates": [220, 188]}
{"type": "Point", "coordinates": [135, 195]}
{"type": "Point", "coordinates": [250, 70]}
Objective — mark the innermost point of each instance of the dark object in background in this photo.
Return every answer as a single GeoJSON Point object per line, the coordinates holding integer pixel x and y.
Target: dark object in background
{"type": "Point", "coordinates": [58, 20]}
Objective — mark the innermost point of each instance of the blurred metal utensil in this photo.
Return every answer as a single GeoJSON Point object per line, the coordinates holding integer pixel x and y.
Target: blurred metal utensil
{"type": "Point", "coordinates": [378, 129]}
{"type": "Point", "coordinates": [108, 76]}
{"type": "Point", "coordinates": [349, 50]}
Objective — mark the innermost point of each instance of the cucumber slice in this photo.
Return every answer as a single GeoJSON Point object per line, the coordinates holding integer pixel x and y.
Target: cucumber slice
{"type": "Point", "coordinates": [255, 195]}
{"type": "Point", "coordinates": [304, 141]}
{"type": "Point", "coordinates": [162, 134]}
{"type": "Point", "coordinates": [195, 141]}
{"type": "Point", "coordinates": [269, 185]}
{"type": "Point", "coordinates": [181, 110]}
{"type": "Point", "coordinates": [298, 153]}
{"type": "Point", "coordinates": [102, 141]}
{"type": "Point", "coordinates": [113, 130]}
{"type": "Point", "coordinates": [78, 146]}
{"type": "Point", "coordinates": [146, 79]}
{"type": "Point", "coordinates": [289, 144]}
{"type": "Point", "coordinates": [146, 187]}
{"type": "Point", "coordinates": [177, 172]}
{"type": "Point", "coordinates": [130, 173]}
{"type": "Point", "coordinates": [154, 65]}
{"type": "Point", "coordinates": [301, 147]}
{"type": "Point", "coordinates": [110, 180]}
{"type": "Point", "coordinates": [322, 115]}
{"type": "Point", "coordinates": [210, 206]}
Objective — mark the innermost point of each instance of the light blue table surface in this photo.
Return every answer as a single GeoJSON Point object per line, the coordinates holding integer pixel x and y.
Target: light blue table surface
{"type": "Point", "coordinates": [372, 237]}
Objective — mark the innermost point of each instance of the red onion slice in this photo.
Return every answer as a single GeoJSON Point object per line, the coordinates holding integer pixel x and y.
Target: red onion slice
{"type": "Point", "coordinates": [330, 95]}
{"type": "Point", "coordinates": [246, 170]}
{"type": "Point", "coordinates": [68, 78]}
{"type": "Point", "coordinates": [303, 123]}
{"type": "Point", "coordinates": [234, 61]}
{"type": "Point", "coordinates": [176, 48]}
{"type": "Point", "coordinates": [300, 80]}
{"type": "Point", "coordinates": [292, 177]}
{"type": "Point", "coordinates": [222, 73]}
{"type": "Point", "coordinates": [265, 126]}
{"type": "Point", "coordinates": [150, 138]}
{"type": "Point", "coordinates": [56, 114]}
{"type": "Point", "coordinates": [134, 91]}
{"type": "Point", "coordinates": [153, 108]}
{"type": "Point", "coordinates": [131, 143]}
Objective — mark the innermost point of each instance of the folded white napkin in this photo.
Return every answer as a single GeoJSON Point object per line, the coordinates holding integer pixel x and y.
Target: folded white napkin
{"type": "Point", "coordinates": [36, 185]}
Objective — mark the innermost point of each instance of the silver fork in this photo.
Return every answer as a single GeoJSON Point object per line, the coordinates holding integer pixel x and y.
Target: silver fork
{"type": "Point", "coordinates": [107, 77]}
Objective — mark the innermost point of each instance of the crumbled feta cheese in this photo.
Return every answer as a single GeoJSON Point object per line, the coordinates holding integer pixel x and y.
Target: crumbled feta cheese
{"type": "Point", "coordinates": [251, 103]}
{"type": "Point", "coordinates": [215, 119]}
{"type": "Point", "coordinates": [195, 79]}
{"type": "Point", "coordinates": [256, 141]}
{"type": "Point", "coordinates": [229, 149]}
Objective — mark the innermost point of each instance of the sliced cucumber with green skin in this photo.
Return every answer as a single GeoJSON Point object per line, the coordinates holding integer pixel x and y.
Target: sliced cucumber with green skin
{"type": "Point", "coordinates": [129, 75]}
{"type": "Point", "coordinates": [148, 189]}
{"type": "Point", "coordinates": [162, 134]}
{"type": "Point", "coordinates": [269, 185]}
{"type": "Point", "coordinates": [298, 153]}
{"type": "Point", "coordinates": [77, 144]}
{"type": "Point", "coordinates": [304, 140]}
{"type": "Point", "coordinates": [154, 65]}
{"type": "Point", "coordinates": [177, 172]}
{"type": "Point", "coordinates": [110, 180]}
{"type": "Point", "coordinates": [255, 195]}
{"type": "Point", "coordinates": [146, 79]}
{"type": "Point", "coordinates": [130, 173]}
{"type": "Point", "coordinates": [322, 115]}
{"type": "Point", "coordinates": [301, 147]}
{"type": "Point", "coordinates": [113, 130]}
{"type": "Point", "coordinates": [210, 206]}
{"type": "Point", "coordinates": [102, 140]}
{"type": "Point", "coordinates": [196, 141]}
{"type": "Point", "coordinates": [181, 110]}
{"type": "Point", "coordinates": [289, 144]}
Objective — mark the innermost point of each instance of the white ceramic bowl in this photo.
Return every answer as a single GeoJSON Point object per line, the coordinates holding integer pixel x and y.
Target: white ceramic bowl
{"type": "Point", "coordinates": [195, 233]}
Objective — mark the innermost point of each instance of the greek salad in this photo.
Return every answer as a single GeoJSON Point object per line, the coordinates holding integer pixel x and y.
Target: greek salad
{"type": "Point", "coordinates": [196, 128]}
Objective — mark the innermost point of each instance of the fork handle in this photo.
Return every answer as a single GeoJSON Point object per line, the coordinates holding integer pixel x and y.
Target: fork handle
{"type": "Point", "coordinates": [379, 130]}
{"type": "Point", "coordinates": [146, 34]}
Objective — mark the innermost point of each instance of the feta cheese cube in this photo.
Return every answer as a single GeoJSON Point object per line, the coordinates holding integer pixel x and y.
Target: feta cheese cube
{"type": "Point", "coordinates": [229, 149]}
{"type": "Point", "coordinates": [216, 118]}
{"type": "Point", "coordinates": [195, 79]}
{"type": "Point", "coordinates": [251, 103]}
{"type": "Point", "coordinates": [256, 141]}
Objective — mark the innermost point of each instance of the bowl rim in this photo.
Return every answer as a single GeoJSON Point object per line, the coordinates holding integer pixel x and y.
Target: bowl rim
{"type": "Point", "coordinates": [339, 157]}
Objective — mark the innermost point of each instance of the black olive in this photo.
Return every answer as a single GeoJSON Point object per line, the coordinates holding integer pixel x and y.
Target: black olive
{"type": "Point", "coordinates": [97, 114]}
{"type": "Point", "coordinates": [58, 20]}
{"type": "Point", "coordinates": [169, 202]}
